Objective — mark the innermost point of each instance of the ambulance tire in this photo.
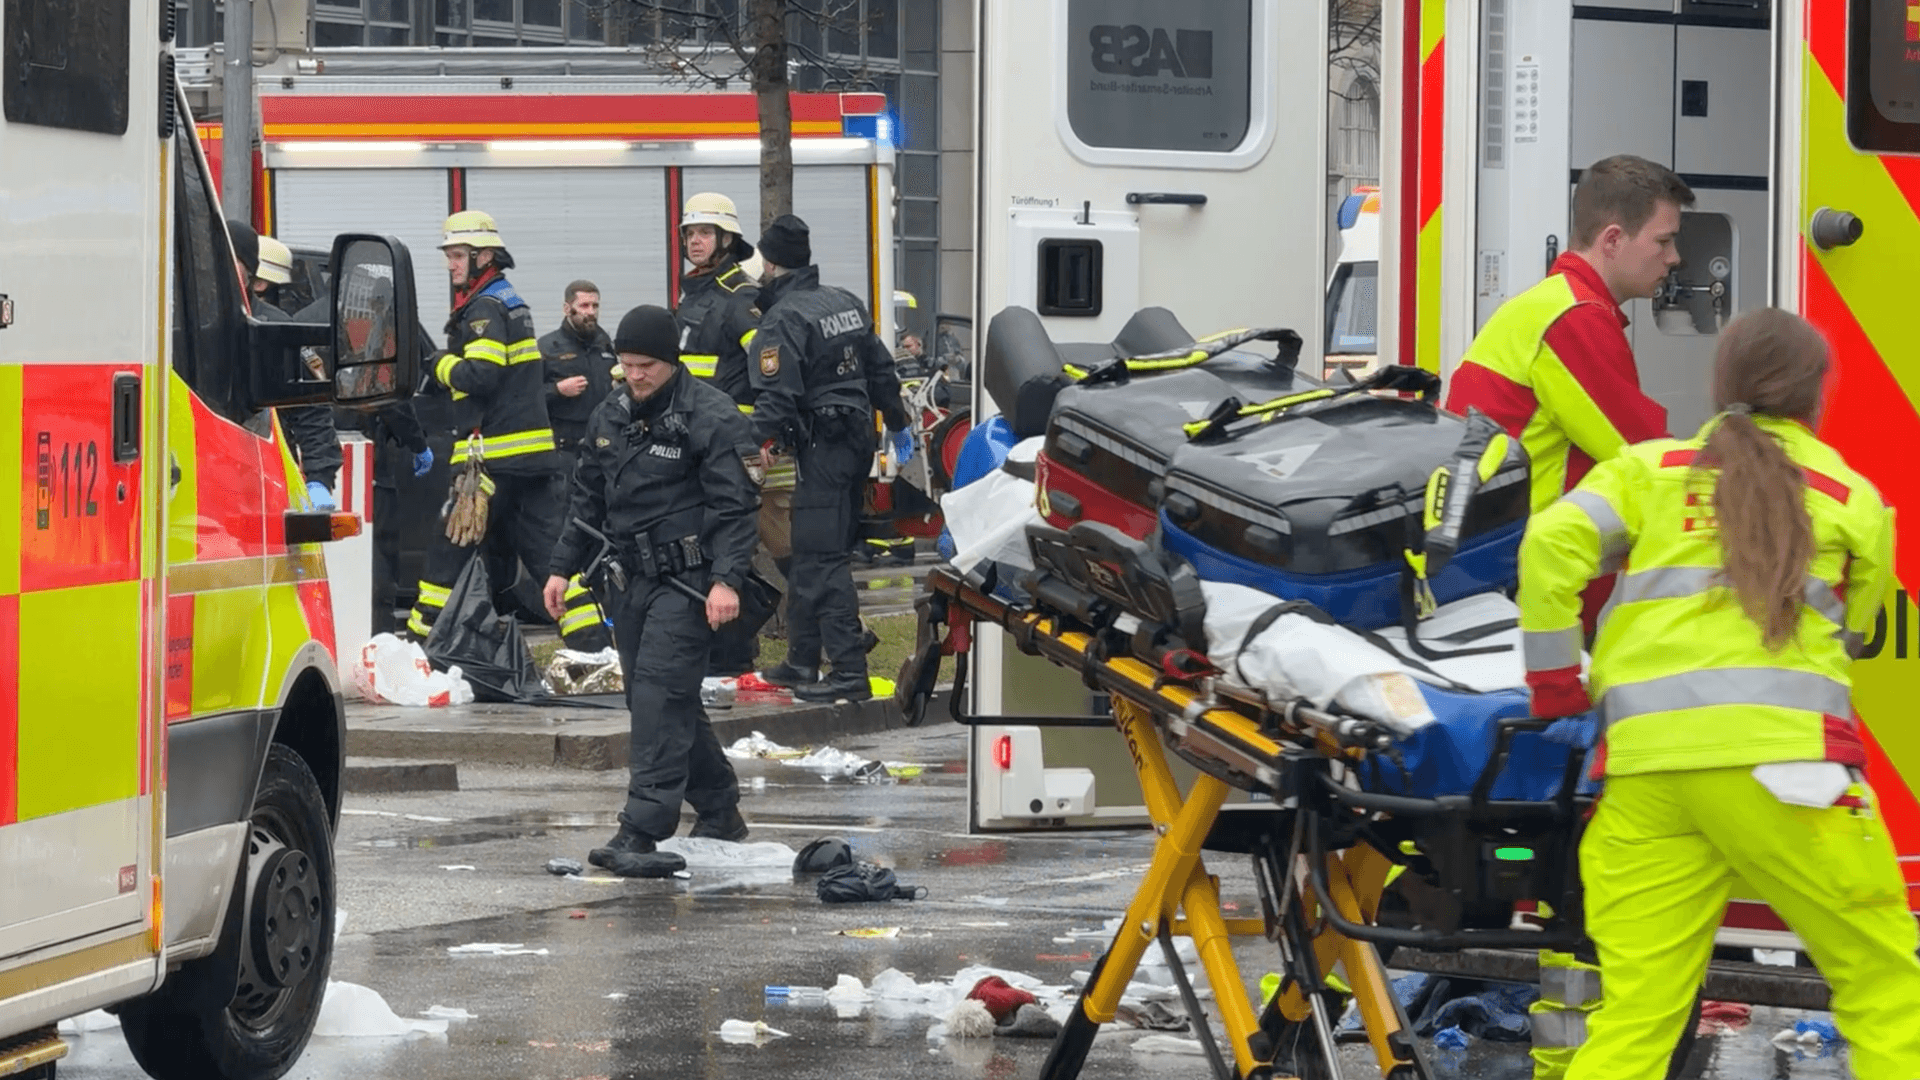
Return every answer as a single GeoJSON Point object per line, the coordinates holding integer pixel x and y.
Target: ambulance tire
{"type": "Point", "coordinates": [258, 1035]}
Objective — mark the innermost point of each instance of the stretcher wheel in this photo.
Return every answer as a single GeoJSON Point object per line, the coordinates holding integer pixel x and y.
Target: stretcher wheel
{"type": "Point", "coordinates": [943, 446]}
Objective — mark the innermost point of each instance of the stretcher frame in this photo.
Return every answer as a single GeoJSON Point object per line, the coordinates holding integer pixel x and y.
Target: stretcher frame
{"type": "Point", "coordinates": [1320, 894]}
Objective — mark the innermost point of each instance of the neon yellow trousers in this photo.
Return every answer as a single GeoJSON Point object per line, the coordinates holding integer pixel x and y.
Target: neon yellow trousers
{"type": "Point", "coordinates": [1659, 860]}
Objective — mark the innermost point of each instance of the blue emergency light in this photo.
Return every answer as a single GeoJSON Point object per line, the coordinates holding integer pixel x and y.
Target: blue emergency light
{"type": "Point", "coordinates": [880, 127]}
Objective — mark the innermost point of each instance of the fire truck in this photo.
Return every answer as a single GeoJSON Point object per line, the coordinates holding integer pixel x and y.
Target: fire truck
{"type": "Point", "coordinates": [171, 726]}
{"type": "Point", "coordinates": [1796, 123]}
{"type": "Point", "coordinates": [586, 176]}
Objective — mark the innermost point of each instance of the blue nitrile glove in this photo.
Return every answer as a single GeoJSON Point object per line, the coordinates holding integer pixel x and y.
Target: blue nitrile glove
{"type": "Point", "coordinates": [423, 462]}
{"type": "Point", "coordinates": [320, 495]}
{"type": "Point", "coordinates": [903, 446]}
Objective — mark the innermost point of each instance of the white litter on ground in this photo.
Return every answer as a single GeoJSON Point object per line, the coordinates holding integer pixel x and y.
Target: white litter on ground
{"type": "Point", "coordinates": [494, 948]}
{"type": "Point", "coordinates": [352, 1011]}
{"type": "Point", "coordinates": [748, 1031]}
{"type": "Point", "coordinates": [615, 996]}
{"type": "Point", "coordinates": [462, 867]}
{"type": "Point", "coordinates": [1167, 1044]}
{"type": "Point", "coordinates": [703, 853]}
{"type": "Point", "coordinates": [448, 1012]}
{"type": "Point", "coordinates": [825, 762]}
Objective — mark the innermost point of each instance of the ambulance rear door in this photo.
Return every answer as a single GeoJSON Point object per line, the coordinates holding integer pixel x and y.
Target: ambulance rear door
{"type": "Point", "coordinates": [83, 149]}
{"type": "Point", "coordinates": [1849, 149]}
{"type": "Point", "coordinates": [1133, 153]}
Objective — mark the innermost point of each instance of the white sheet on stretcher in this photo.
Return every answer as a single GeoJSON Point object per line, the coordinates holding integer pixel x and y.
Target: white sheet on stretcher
{"type": "Point", "coordinates": [1299, 657]}
{"type": "Point", "coordinates": [988, 520]}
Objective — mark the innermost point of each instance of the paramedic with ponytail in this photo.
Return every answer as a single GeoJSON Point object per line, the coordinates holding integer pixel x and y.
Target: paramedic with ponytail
{"type": "Point", "coordinates": [1756, 563]}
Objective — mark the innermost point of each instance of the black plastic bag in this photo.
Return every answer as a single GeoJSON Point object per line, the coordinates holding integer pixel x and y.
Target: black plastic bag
{"type": "Point", "coordinates": [864, 882]}
{"type": "Point", "coordinates": [485, 645]}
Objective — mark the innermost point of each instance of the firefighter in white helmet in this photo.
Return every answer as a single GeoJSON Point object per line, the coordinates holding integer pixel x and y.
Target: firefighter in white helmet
{"type": "Point", "coordinates": [493, 370]}
{"type": "Point", "coordinates": [718, 314]}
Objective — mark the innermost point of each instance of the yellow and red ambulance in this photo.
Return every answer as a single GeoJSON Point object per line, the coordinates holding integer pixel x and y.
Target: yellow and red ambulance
{"type": "Point", "coordinates": [1796, 123]}
{"type": "Point", "coordinates": [171, 727]}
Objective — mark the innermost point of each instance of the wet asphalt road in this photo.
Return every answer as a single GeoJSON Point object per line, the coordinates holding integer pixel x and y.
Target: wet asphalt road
{"type": "Point", "coordinates": [639, 975]}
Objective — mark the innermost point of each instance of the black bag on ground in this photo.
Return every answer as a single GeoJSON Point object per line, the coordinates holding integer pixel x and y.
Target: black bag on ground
{"type": "Point", "coordinates": [863, 881]}
{"type": "Point", "coordinates": [485, 645]}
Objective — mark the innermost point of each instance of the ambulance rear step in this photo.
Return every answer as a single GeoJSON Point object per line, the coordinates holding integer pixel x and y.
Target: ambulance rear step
{"type": "Point", "coordinates": [31, 1050]}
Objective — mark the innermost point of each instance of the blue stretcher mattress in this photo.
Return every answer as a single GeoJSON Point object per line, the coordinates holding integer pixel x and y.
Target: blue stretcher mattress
{"type": "Point", "coordinates": [1447, 757]}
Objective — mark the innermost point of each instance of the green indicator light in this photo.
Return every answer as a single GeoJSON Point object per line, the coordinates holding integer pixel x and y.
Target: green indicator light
{"type": "Point", "coordinates": [1513, 854]}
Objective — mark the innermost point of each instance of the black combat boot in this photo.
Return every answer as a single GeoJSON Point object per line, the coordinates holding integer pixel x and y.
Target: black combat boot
{"type": "Point", "coordinates": [836, 688]}
{"type": "Point", "coordinates": [728, 825]}
{"type": "Point", "coordinates": [626, 840]}
{"type": "Point", "coordinates": [785, 674]}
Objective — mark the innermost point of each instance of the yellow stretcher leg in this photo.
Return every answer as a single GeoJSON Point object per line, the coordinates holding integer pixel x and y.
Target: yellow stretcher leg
{"type": "Point", "coordinates": [1177, 893]}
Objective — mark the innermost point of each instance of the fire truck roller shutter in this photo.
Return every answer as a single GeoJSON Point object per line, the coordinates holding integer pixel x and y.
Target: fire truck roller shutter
{"type": "Point", "coordinates": [602, 224]}
{"type": "Point", "coordinates": [832, 199]}
{"type": "Point", "coordinates": [312, 206]}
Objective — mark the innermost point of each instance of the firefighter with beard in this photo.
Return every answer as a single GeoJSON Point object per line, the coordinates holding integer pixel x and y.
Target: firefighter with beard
{"type": "Point", "coordinates": [580, 365]}
{"type": "Point", "coordinates": [717, 315]}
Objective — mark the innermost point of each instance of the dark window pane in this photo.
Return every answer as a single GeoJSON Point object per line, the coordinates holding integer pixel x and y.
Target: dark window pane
{"type": "Point", "coordinates": [456, 14]}
{"type": "Point", "coordinates": [495, 10]}
{"type": "Point", "coordinates": [207, 331]}
{"type": "Point", "coordinates": [540, 12]}
{"type": "Point", "coordinates": [495, 42]}
{"type": "Point", "coordinates": [841, 37]}
{"type": "Point", "coordinates": [391, 36]}
{"type": "Point", "coordinates": [583, 22]}
{"type": "Point", "coordinates": [917, 268]}
{"type": "Point", "coordinates": [919, 174]}
{"type": "Point", "coordinates": [728, 10]}
{"type": "Point", "coordinates": [918, 108]}
{"type": "Point", "coordinates": [921, 23]}
{"type": "Point", "coordinates": [329, 35]}
{"type": "Point", "coordinates": [67, 63]}
{"type": "Point", "coordinates": [450, 40]}
{"type": "Point", "coordinates": [397, 11]}
{"type": "Point", "coordinates": [355, 6]}
{"type": "Point", "coordinates": [883, 28]}
{"type": "Point", "coordinates": [919, 218]}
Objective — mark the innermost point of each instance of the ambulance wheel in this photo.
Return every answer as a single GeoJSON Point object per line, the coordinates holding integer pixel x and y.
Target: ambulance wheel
{"type": "Point", "coordinates": [286, 949]}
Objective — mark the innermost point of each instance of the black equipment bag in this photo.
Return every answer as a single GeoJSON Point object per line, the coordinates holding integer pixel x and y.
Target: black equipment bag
{"type": "Point", "coordinates": [485, 645]}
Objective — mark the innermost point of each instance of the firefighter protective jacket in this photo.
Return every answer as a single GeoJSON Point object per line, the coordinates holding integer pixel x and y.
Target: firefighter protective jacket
{"type": "Point", "coordinates": [1681, 674]}
{"type": "Point", "coordinates": [493, 369]}
{"type": "Point", "coordinates": [717, 315]}
{"type": "Point", "coordinates": [816, 348]}
{"type": "Point", "coordinates": [1554, 367]}
{"type": "Point", "coordinates": [653, 472]}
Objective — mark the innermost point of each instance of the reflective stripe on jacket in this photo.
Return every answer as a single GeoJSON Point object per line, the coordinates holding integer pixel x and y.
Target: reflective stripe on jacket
{"type": "Point", "coordinates": [1554, 367]}
{"type": "Point", "coordinates": [494, 369]}
{"type": "Point", "coordinates": [1682, 676]}
{"type": "Point", "coordinates": [717, 314]}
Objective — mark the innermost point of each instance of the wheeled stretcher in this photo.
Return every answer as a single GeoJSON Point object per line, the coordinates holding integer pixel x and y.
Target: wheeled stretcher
{"type": "Point", "coordinates": [1474, 815]}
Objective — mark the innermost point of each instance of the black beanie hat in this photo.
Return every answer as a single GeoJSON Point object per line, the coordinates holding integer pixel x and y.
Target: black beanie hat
{"type": "Point", "coordinates": [246, 245]}
{"type": "Point", "coordinates": [785, 243]}
{"type": "Point", "coordinates": [650, 331]}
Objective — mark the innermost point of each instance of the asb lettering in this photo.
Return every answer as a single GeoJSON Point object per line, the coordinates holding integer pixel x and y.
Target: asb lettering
{"type": "Point", "coordinates": [1138, 51]}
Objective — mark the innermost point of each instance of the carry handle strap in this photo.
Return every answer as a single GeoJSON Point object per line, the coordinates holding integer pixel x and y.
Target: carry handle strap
{"type": "Point", "coordinates": [1120, 369]}
{"type": "Point", "coordinates": [1392, 378]}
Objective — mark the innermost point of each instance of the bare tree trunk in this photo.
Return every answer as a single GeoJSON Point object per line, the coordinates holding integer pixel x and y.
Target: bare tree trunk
{"type": "Point", "coordinates": [767, 30]}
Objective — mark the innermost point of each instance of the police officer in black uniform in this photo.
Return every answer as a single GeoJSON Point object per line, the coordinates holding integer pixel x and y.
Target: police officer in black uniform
{"type": "Point", "coordinates": [717, 314]}
{"type": "Point", "coordinates": [493, 371]}
{"type": "Point", "coordinates": [820, 371]}
{"type": "Point", "coordinates": [663, 477]}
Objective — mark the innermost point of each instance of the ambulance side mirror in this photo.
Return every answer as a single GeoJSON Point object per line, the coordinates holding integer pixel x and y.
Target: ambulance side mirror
{"type": "Point", "coordinates": [372, 360]}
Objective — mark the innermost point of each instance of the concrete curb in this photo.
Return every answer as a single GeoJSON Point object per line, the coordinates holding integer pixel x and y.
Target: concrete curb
{"type": "Point", "coordinates": [383, 776]}
{"type": "Point", "coordinates": [551, 734]}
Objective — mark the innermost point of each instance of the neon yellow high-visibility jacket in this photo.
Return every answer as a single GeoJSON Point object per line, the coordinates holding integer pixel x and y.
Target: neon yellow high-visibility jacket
{"type": "Point", "coordinates": [1680, 672]}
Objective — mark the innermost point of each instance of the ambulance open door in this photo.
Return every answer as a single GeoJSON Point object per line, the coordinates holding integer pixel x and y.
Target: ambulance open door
{"type": "Point", "coordinates": [1849, 255]}
{"type": "Point", "coordinates": [1133, 153]}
